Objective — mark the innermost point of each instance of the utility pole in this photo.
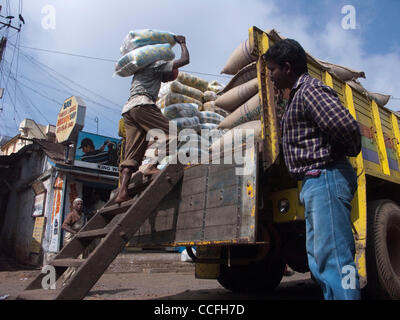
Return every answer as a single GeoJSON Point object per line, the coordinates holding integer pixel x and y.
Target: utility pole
{"type": "Point", "coordinates": [9, 18]}
{"type": "Point", "coordinates": [3, 43]}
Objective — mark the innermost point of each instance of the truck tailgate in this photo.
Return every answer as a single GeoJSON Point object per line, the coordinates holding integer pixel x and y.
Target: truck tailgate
{"type": "Point", "coordinates": [214, 204]}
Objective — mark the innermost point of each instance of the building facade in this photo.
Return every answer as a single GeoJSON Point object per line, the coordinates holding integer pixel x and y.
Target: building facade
{"type": "Point", "coordinates": [38, 185]}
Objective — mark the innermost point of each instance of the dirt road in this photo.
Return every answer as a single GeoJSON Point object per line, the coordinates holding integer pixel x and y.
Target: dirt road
{"type": "Point", "coordinates": [167, 286]}
{"type": "Point", "coordinates": [183, 286]}
{"type": "Point", "coordinates": [160, 276]}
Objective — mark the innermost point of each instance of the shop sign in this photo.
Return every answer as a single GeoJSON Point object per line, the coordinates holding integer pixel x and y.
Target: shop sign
{"type": "Point", "coordinates": [39, 204]}
{"type": "Point", "coordinates": [37, 235]}
{"type": "Point", "coordinates": [55, 228]}
{"type": "Point", "coordinates": [70, 120]}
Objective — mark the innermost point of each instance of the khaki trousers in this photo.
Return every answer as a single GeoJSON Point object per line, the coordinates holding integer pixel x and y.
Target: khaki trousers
{"type": "Point", "coordinates": [138, 122]}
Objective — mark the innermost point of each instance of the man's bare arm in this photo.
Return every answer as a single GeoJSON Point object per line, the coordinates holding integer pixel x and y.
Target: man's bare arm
{"type": "Point", "coordinates": [66, 225]}
{"type": "Point", "coordinates": [185, 59]}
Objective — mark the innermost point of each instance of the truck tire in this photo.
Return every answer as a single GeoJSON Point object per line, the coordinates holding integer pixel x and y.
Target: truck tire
{"type": "Point", "coordinates": [262, 276]}
{"type": "Point", "coordinates": [383, 250]}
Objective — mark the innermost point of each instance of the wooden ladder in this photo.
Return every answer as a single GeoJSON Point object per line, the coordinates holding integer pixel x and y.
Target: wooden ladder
{"type": "Point", "coordinates": [115, 224]}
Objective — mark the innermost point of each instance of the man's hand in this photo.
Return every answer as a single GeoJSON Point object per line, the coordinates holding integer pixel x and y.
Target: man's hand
{"type": "Point", "coordinates": [180, 39]}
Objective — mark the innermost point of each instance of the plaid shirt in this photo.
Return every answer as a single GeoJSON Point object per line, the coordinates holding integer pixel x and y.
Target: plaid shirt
{"type": "Point", "coordinates": [316, 128]}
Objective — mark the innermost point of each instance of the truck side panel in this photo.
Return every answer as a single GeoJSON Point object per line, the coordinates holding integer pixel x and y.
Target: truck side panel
{"type": "Point", "coordinates": [214, 204]}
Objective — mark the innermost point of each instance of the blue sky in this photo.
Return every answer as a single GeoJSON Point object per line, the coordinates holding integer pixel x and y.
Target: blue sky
{"type": "Point", "coordinates": [96, 28]}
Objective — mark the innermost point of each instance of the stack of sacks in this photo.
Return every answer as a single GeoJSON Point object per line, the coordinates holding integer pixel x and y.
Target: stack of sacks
{"type": "Point", "coordinates": [240, 57]}
{"type": "Point", "coordinates": [191, 150]}
{"type": "Point", "coordinates": [210, 106]}
{"type": "Point", "coordinates": [209, 98]}
{"type": "Point", "coordinates": [245, 74]}
{"type": "Point", "coordinates": [184, 115]}
{"type": "Point", "coordinates": [215, 86]}
{"type": "Point", "coordinates": [240, 98]}
{"type": "Point", "coordinates": [236, 135]}
{"type": "Point", "coordinates": [209, 119]}
{"type": "Point", "coordinates": [178, 98]}
{"type": "Point", "coordinates": [240, 95]}
{"type": "Point", "coordinates": [185, 89]}
{"type": "Point", "coordinates": [193, 81]}
{"type": "Point", "coordinates": [236, 96]}
{"type": "Point", "coordinates": [211, 93]}
{"type": "Point", "coordinates": [176, 92]}
{"type": "Point", "coordinates": [249, 111]}
{"type": "Point", "coordinates": [181, 110]}
{"type": "Point", "coordinates": [141, 48]}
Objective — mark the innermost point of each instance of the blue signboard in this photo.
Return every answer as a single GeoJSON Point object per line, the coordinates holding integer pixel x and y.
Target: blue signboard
{"type": "Point", "coordinates": [97, 152]}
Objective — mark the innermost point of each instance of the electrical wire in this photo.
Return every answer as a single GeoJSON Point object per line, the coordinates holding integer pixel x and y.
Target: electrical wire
{"type": "Point", "coordinates": [90, 110]}
{"type": "Point", "coordinates": [42, 66]}
{"type": "Point", "coordinates": [62, 90]}
{"type": "Point", "coordinates": [22, 97]}
{"type": "Point", "coordinates": [114, 61]}
{"type": "Point", "coordinates": [58, 102]}
{"type": "Point", "coordinates": [55, 75]}
{"type": "Point", "coordinates": [52, 100]}
{"type": "Point", "coordinates": [70, 54]}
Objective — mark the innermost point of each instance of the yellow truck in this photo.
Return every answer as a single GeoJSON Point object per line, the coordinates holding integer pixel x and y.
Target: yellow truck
{"type": "Point", "coordinates": [247, 228]}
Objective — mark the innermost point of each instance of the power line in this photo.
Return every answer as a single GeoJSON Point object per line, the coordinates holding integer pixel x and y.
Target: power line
{"type": "Point", "coordinates": [70, 54]}
{"type": "Point", "coordinates": [15, 109]}
{"type": "Point", "coordinates": [51, 99]}
{"type": "Point", "coordinates": [208, 74]}
{"type": "Point", "coordinates": [114, 61]}
{"type": "Point", "coordinates": [39, 65]}
{"type": "Point", "coordinates": [22, 96]}
{"type": "Point", "coordinates": [72, 81]}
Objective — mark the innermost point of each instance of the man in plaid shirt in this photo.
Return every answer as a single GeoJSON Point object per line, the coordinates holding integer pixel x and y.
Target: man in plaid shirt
{"type": "Point", "coordinates": [317, 135]}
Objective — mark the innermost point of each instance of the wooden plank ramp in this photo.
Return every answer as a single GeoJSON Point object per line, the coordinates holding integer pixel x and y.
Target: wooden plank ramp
{"type": "Point", "coordinates": [115, 224]}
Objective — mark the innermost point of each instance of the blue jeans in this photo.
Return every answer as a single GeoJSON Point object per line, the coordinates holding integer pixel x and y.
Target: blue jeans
{"type": "Point", "coordinates": [330, 243]}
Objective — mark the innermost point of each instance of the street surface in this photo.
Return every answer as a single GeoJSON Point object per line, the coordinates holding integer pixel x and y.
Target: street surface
{"type": "Point", "coordinates": [148, 278]}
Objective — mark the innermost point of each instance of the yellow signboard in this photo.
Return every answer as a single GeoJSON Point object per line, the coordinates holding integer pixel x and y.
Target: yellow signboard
{"type": "Point", "coordinates": [37, 235]}
{"type": "Point", "coordinates": [70, 119]}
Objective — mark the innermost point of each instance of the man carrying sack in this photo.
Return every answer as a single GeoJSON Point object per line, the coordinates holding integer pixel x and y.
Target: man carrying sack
{"type": "Point", "coordinates": [141, 114]}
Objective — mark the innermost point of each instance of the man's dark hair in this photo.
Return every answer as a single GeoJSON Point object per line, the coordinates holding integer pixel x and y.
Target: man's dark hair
{"type": "Point", "coordinates": [288, 50]}
{"type": "Point", "coordinates": [86, 142]}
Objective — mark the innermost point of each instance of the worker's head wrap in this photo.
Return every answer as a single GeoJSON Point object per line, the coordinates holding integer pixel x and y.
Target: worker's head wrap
{"type": "Point", "coordinates": [77, 200]}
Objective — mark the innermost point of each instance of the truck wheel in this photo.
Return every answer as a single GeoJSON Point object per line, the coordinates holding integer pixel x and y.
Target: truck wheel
{"type": "Point", "coordinates": [383, 249]}
{"type": "Point", "coordinates": [263, 276]}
